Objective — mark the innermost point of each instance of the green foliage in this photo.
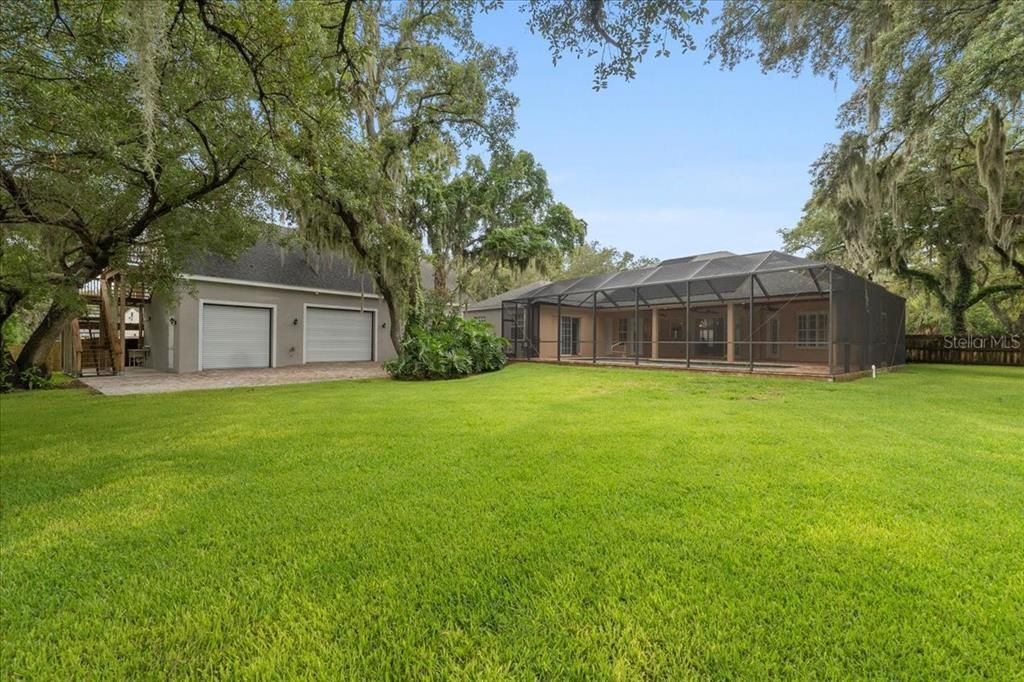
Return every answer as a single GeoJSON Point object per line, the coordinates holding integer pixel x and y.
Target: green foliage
{"type": "Point", "coordinates": [440, 344]}
{"type": "Point", "coordinates": [496, 214]}
{"type": "Point", "coordinates": [126, 137]}
{"type": "Point", "coordinates": [926, 237]}
{"type": "Point", "coordinates": [32, 378]}
{"type": "Point", "coordinates": [622, 33]}
{"type": "Point", "coordinates": [405, 86]}
{"type": "Point", "coordinates": [538, 523]}
{"type": "Point", "coordinates": [593, 258]}
{"type": "Point", "coordinates": [927, 184]}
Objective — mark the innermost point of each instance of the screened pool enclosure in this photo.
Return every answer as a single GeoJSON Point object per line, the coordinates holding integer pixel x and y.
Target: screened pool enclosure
{"type": "Point", "coordinates": [764, 312]}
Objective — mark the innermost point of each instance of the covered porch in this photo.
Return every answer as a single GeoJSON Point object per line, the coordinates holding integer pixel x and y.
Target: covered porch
{"type": "Point", "coordinates": [767, 313]}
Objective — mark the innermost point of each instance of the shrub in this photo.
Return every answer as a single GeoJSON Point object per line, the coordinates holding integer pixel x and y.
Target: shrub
{"type": "Point", "coordinates": [444, 346]}
{"type": "Point", "coordinates": [31, 379]}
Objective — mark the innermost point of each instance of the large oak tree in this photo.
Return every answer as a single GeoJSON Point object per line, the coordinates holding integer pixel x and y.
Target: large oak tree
{"type": "Point", "coordinates": [127, 133]}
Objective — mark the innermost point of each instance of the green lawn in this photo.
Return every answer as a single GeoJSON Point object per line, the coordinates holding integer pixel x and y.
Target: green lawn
{"type": "Point", "coordinates": [541, 522]}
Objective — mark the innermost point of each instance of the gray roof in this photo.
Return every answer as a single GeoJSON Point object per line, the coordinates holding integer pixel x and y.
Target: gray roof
{"type": "Point", "coordinates": [711, 276]}
{"type": "Point", "coordinates": [495, 301]}
{"type": "Point", "coordinates": [289, 266]}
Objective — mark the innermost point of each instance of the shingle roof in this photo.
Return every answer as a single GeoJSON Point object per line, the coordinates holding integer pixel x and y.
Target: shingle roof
{"type": "Point", "coordinates": [273, 264]}
{"type": "Point", "coordinates": [495, 301]}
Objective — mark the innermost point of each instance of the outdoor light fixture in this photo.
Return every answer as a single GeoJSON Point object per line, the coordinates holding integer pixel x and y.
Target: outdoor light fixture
{"type": "Point", "coordinates": [173, 321]}
{"type": "Point", "coordinates": [296, 322]}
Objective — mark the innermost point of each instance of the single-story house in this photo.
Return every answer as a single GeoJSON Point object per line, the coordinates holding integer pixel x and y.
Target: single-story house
{"type": "Point", "coordinates": [270, 307]}
{"type": "Point", "coordinates": [766, 312]}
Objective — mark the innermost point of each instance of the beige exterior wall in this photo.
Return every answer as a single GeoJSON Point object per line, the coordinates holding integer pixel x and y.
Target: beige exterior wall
{"type": "Point", "coordinates": [491, 317]}
{"type": "Point", "coordinates": [787, 315]}
{"type": "Point", "coordinates": [175, 347]}
{"type": "Point", "coordinates": [548, 326]}
{"type": "Point", "coordinates": [161, 335]}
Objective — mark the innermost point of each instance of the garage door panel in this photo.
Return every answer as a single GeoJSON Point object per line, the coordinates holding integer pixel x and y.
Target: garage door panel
{"type": "Point", "coordinates": [235, 336]}
{"type": "Point", "coordinates": [334, 335]}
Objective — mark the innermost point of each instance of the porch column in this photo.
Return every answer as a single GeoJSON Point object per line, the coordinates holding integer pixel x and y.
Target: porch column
{"type": "Point", "coordinates": [558, 330]}
{"type": "Point", "coordinates": [593, 337]}
{"type": "Point", "coordinates": [654, 333]}
{"type": "Point", "coordinates": [730, 333]}
{"type": "Point", "coordinates": [637, 336]}
{"type": "Point", "coordinates": [686, 334]}
{"type": "Point", "coordinates": [750, 326]}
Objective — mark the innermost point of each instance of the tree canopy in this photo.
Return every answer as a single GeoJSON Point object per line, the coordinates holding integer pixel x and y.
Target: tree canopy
{"type": "Point", "coordinates": [500, 213]}
{"type": "Point", "coordinates": [124, 128]}
{"type": "Point", "coordinates": [926, 183]}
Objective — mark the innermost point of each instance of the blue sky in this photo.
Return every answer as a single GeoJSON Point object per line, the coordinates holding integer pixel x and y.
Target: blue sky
{"type": "Point", "coordinates": [684, 159]}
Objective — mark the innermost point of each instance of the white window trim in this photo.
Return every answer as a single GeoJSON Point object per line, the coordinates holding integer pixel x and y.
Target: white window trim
{"type": "Point", "coordinates": [824, 342]}
{"type": "Point", "coordinates": [620, 327]}
{"type": "Point", "coordinates": [271, 285]}
{"type": "Point", "coordinates": [272, 307]}
{"type": "Point", "coordinates": [373, 320]}
{"type": "Point", "coordinates": [579, 333]}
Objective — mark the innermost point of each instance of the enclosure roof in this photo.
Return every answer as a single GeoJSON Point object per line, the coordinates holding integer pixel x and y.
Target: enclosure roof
{"type": "Point", "coordinates": [494, 302]}
{"type": "Point", "coordinates": [708, 266]}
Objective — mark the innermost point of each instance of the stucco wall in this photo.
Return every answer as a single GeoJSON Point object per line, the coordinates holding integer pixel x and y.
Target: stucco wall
{"type": "Point", "coordinates": [491, 317]}
{"type": "Point", "coordinates": [161, 334]}
{"type": "Point", "coordinates": [288, 335]}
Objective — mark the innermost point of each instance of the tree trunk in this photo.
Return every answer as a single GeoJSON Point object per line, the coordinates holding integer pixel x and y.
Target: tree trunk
{"type": "Point", "coordinates": [38, 345]}
{"type": "Point", "coordinates": [396, 329]}
{"type": "Point", "coordinates": [441, 273]}
{"type": "Point", "coordinates": [11, 298]}
{"type": "Point", "coordinates": [961, 296]}
{"type": "Point", "coordinates": [1009, 326]}
{"type": "Point", "coordinates": [957, 315]}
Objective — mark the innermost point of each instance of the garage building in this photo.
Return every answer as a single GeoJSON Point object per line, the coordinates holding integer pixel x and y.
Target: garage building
{"type": "Point", "coordinates": [270, 307]}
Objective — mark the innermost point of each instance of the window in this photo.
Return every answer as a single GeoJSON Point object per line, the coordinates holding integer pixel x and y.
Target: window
{"type": "Point", "coordinates": [812, 330]}
{"type": "Point", "coordinates": [622, 330]}
{"type": "Point", "coordinates": [773, 337]}
{"type": "Point", "coordinates": [706, 330]}
{"type": "Point", "coordinates": [569, 338]}
{"type": "Point", "coordinates": [519, 325]}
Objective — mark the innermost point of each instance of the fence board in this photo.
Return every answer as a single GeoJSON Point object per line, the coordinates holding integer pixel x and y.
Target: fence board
{"type": "Point", "coordinates": [945, 349]}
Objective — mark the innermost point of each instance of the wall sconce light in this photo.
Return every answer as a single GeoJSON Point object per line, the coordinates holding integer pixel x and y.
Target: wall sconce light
{"type": "Point", "coordinates": [173, 321]}
{"type": "Point", "coordinates": [296, 322]}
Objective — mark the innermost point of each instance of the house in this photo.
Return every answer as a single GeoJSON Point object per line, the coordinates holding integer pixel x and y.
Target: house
{"type": "Point", "coordinates": [489, 309]}
{"type": "Point", "coordinates": [270, 307]}
{"type": "Point", "coordinates": [766, 312]}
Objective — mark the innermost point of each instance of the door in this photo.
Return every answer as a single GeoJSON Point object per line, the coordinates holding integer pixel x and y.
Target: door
{"type": "Point", "coordinates": [235, 336]}
{"type": "Point", "coordinates": [772, 350]}
{"type": "Point", "coordinates": [334, 335]}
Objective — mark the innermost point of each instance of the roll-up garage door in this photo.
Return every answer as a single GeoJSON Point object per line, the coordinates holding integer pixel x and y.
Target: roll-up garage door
{"type": "Point", "coordinates": [338, 335]}
{"type": "Point", "coordinates": [235, 336]}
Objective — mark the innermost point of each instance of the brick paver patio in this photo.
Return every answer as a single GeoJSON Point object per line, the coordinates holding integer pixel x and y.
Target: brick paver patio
{"type": "Point", "coordinates": [137, 380]}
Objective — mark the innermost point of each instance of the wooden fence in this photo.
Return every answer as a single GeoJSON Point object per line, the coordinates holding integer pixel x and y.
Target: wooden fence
{"type": "Point", "coordinates": [966, 350]}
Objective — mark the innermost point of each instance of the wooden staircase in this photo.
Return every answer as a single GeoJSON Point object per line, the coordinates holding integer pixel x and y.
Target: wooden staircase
{"type": "Point", "coordinates": [96, 352]}
{"type": "Point", "coordinates": [98, 336]}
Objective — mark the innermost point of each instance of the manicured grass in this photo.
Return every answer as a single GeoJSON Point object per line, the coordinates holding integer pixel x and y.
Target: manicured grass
{"type": "Point", "coordinates": [541, 522]}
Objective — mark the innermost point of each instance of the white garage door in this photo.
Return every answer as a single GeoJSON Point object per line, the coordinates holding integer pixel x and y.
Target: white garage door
{"type": "Point", "coordinates": [338, 335]}
{"type": "Point", "coordinates": [235, 336]}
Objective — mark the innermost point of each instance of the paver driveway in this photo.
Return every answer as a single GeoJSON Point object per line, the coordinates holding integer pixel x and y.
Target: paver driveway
{"type": "Point", "coordinates": [151, 381]}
